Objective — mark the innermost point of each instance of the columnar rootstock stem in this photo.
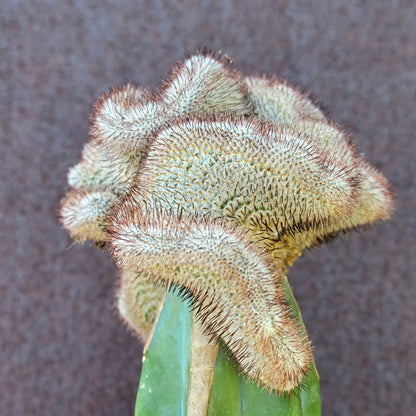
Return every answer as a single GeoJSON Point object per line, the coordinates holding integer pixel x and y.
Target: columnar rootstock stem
{"type": "Point", "coordinates": [203, 356]}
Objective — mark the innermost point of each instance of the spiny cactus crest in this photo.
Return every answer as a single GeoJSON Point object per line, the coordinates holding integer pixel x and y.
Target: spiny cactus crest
{"type": "Point", "coordinates": [216, 183]}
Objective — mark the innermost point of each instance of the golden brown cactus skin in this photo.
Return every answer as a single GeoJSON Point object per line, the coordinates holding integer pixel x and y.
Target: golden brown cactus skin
{"type": "Point", "coordinates": [138, 302]}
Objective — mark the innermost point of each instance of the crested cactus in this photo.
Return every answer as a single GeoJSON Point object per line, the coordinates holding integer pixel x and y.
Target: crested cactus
{"type": "Point", "coordinates": [215, 184]}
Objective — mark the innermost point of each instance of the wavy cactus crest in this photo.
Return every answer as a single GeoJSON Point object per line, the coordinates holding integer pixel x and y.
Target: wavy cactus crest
{"type": "Point", "coordinates": [216, 184]}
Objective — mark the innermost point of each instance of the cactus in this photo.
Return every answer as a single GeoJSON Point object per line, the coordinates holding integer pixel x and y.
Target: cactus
{"type": "Point", "coordinates": [213, 186]}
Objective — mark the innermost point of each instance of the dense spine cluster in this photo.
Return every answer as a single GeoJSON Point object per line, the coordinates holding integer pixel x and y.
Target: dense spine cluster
{"type": "Point", "coordinates": [216, 184]}
{"type": "Point", "coordinates": [234, 288]}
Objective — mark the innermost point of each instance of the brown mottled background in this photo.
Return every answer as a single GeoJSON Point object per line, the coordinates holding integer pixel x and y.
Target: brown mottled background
{"type": "Point", "coordinates": [63, 349]}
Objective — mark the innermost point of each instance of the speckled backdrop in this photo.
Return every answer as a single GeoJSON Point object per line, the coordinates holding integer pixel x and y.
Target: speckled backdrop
{"type": "Point", "coordinates": [63, 349]}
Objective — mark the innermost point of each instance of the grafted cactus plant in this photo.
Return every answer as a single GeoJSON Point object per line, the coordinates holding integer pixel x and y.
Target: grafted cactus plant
{"type": "Point", "coordinates": [211, 187]}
